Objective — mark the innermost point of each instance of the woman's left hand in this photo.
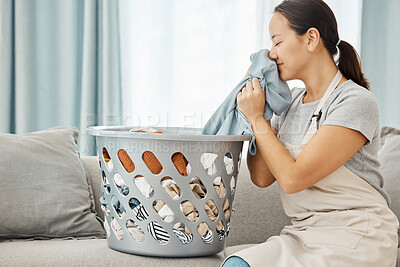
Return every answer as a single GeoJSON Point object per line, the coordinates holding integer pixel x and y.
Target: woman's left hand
{"type": "Point", "coordinates": [251, 100]}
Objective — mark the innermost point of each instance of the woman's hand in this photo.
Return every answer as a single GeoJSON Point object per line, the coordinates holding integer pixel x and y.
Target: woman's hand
{"type": "Point", "coordinates": [251, 100]}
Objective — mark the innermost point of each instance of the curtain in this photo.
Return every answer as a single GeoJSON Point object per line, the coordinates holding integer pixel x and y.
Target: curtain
{"type": "Point", "coordinates": [60, 65]}
{"type": "Point", "coordinates": [381, 56]}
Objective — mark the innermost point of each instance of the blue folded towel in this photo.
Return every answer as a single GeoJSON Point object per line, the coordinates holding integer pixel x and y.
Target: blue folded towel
{"type": "Point", "coordinates": [228, 120]}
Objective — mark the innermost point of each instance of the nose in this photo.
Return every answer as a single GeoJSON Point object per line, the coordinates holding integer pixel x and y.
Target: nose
{"type": "Point", "coordinates": [272, 53]}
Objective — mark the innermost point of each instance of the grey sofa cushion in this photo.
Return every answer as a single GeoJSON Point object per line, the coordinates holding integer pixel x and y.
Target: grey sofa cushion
{"type": "Point", "coordinates": [389, 155]}
{"type": "Point", "coordinates": [44, 191]}
{"type": "Point", "coordinates": [87, 253]}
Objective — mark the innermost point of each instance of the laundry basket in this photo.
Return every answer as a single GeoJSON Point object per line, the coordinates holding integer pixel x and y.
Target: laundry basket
{"type": "Point", "coordinates": [169, 193]}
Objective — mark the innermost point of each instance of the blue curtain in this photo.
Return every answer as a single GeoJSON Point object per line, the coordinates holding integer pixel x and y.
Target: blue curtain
{"type": "Point", "coordinates": [380, 56]}
{"type": "Point", "coordinates": [60, 65]}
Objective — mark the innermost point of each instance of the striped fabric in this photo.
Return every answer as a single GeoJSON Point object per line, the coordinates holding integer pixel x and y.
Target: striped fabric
{"type": "Point", "coordinates": [208, 237]}
{"type": "Point", "coordinates": [228, 226]}
{"type": "Point", "coordinates": [183, 236]}
{"type": "Point", "coordinates": [221, 233]}
{"type": "Point", "coordinates": [158, 232]}
{"type": "Point", "coordinates": [138, 209]}
{"type": "Point", "coordinates": [107, 188]}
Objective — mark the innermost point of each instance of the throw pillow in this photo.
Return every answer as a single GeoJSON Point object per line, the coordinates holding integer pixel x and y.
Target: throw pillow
{"type": "Point", "coordinates": [44, 192]}
{"type": "Point", "coordinates": [389, 155]}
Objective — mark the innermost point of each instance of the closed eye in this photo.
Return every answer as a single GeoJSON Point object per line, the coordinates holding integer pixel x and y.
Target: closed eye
{"type": "Point", "coordinates": [278, 43]}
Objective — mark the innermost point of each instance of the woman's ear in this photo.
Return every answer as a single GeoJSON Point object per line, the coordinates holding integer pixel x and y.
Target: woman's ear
{"type": "Point", "coordinates": [313, 39]}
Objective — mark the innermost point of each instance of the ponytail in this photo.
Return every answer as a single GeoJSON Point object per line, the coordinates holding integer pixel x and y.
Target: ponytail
{"type": "Point", "coordinates": [349, 64]}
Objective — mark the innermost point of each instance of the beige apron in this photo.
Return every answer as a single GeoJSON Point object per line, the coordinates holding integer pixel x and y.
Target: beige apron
{"type": "Point", "coordinates": [339, 221]}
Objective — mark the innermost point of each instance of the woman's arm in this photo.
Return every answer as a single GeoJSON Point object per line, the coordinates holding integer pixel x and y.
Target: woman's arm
{"type": "Point", "coordinates": [259, 171]}
{"type": "Point", "coordinates": [260, 174]}
{"type": "Point", "coordinates": [327, 150]}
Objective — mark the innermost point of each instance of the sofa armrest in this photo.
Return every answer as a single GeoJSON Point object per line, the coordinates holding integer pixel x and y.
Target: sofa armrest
{"type": "Point", "coordinates": [93, 175]}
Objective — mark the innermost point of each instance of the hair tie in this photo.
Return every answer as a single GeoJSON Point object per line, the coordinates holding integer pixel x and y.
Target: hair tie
{"type": "Point", "coordinates": [338, 42]}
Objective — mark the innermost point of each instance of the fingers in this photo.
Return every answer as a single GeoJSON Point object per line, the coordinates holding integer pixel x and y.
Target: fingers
{"type": "Point", "coordinates": [256, 84]}
{"type": "Point", "coordinates": [249, 86]}
{"type": "Point", "coordinates": [252, 86]}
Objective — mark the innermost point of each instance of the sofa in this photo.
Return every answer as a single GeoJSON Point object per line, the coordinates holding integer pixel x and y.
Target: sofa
{"type": "Point", "coordinates": [258, 211]}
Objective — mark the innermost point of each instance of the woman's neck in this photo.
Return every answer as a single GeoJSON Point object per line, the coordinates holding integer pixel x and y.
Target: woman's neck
{"type": "Point", "coordinates": [318, 78]}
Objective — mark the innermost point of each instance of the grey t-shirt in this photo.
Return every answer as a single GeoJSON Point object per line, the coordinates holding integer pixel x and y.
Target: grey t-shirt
{"type": "Point", "coordinates": [350, 106]}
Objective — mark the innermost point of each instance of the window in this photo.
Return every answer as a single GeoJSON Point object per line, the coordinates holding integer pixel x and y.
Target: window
{"type": "Point", "coordinates": [180, 59]}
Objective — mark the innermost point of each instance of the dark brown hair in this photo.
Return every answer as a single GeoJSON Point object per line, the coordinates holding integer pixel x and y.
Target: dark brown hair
{"type": "Point", "coordinates": [305, 14]}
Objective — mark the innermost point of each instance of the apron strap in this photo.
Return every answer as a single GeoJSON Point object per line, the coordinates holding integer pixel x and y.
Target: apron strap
{"type": "Point", "coordinates": [331, 87]}
{"type": "Point", "coordinates": [317, 112]}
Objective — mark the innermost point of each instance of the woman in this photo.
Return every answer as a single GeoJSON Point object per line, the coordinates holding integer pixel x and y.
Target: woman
{"type": "Point", "coordinates": [322, 151]}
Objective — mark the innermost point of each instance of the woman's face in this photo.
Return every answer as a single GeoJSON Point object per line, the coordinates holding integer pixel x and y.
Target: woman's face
{"type": "Point", "coordinates": [289, 50]}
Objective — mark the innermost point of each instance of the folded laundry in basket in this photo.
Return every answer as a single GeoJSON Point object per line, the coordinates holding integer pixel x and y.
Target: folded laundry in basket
{"type": "Point", "coordinates": [123, 188]}
{"type": "Point", "coordinates": [135, 231]}
{"type": "Point", "coordinates": [164, 211]}
{"type": "Point", "coordinates": [180, 163]}
{"type": "Point", "coordinates": [183, 233]}
{"type": "Point", "coordinates": [118, 207]}
{"type": "Point", "coordinates": [197, 187]}
{"type": "Point", "coordinates": [171, 188]}
{"type": "Point", "coordinates": [158, 233]}
{"type": "Point", "coordinates": [167, 214]}
{"type": "Point", "coordinates": [219, 187]}
{"type": "Point", "coordinates": [208, 237]}
{"type": "Point", "coordinates": [144, 130]}
{"type": "Point", "coordinates": [104, 203]}
{"type": "Point", "coordinates": [220, 230]}
{"type": "Point", "coordinates": [178, 159]}
{"type": "Point", "coordinates": [205, 232]}
{"type": "Point", "coordinates": [208, 161]}
{"type": "Point", "coordinates": [228, 120]}
{"type": "Point", "coordinates": [189, 211]}
{"type": "Point", "coordinates": [138, 209]}
{"type": "Point", "coordinates": [144, 187]}
{"type": "Point", "coordinates": [150, 159]}
{"type": "Point", "coordinates": [119, 233]}
{"type": "Point", "coordinates": [211, 210]}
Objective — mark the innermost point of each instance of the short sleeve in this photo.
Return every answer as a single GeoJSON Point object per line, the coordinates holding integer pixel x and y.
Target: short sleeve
{"type": "Point", "coordinates": [356, 109]}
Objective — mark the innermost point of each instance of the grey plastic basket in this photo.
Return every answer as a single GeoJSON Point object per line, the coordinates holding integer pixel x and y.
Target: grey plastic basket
{"type": "Point", "coordinates": [192, 144]}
